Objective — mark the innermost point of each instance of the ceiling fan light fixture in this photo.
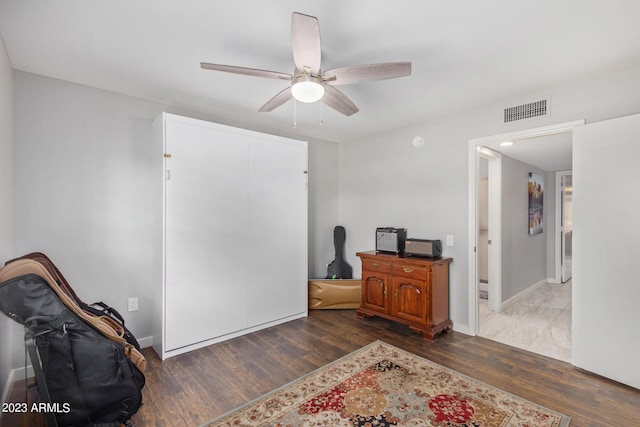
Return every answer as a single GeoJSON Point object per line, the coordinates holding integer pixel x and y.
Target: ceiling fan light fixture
{"type": "Point", "coordinates": [307, 89]}
{"type": "Point", "coordinates": [308, 82]}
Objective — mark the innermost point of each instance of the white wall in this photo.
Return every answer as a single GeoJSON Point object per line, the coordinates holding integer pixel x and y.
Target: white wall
{"type": "Point", "coordinates": [323, 205]}
{"type": "Point", "coordinates": [6, 199]}
{"type": "Point", "coordinates": [384, 181]}
{"type": "Point", "coordinates": [524, 257]}
{"type": "Point", "coordinates": [83, 188]}
{"type": "Point", "coordinates": [86, 191]}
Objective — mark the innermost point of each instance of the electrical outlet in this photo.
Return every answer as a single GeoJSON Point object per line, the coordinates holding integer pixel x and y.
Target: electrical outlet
{"type": "Point", "coordinates": [133, 304]}
{"type": "Point", "coordinates": [449, 240]}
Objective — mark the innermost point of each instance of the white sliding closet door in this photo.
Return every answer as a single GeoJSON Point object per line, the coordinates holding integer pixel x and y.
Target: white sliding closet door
{"type": "Point", "coordinates": [277, 230]}
{"type": "Point", "coordinates": [235, 233]}
{"type": "Point", "coordinates": [606, 293]}
{"type": "Point", "coordinates": [205, 233]}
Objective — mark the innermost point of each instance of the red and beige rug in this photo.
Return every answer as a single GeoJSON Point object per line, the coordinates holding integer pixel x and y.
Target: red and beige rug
{"type": "Point", "coordinates": [381, 385]}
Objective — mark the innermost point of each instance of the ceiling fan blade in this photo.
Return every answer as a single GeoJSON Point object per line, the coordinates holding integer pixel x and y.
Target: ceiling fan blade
{"type": "Point", "coordinates": [277, 101]}
{"type": "Point", "coordinates": [338, 101]}
{"type": "Point", "coordinates": [357, 74]}
{"type": "Point", "coordinates": [305, 42]}
{"type": "Point", "coordinates": [246, 71]}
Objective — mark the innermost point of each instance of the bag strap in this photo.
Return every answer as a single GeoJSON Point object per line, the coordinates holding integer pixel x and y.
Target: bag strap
{"type": "Point", "coordinates": [108, 311]}
{"type": "Point", "coordinates": [30, 348]}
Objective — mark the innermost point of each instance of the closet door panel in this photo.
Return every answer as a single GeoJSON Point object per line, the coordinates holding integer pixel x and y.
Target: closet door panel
{"type": "Point", "coordinates": [605, 293]}
{"type": "Point", "coordinates": [205, 233]}
{"type": "Point", "coordinates": [277, 229]}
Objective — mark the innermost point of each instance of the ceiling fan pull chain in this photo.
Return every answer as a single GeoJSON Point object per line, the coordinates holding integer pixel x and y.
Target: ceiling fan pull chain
{"type": "Point", "coordinates": [321, 112]}
{"type": "Point", "coordinates": [294, 113]}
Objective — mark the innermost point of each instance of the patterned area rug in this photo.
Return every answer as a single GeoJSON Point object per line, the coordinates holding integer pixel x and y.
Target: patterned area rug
{"type": "Point", "coordinates": [381, 385]}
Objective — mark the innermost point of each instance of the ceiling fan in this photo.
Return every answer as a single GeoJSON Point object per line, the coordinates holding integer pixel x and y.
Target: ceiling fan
{"type": "Point", "coordinates": [308, 82]}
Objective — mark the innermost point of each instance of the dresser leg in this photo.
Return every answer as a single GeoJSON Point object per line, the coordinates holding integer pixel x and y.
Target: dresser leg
{"type": "Point", "coordinates": [430, 336]}
{"type": "Point", "coordinates": [434, 333]}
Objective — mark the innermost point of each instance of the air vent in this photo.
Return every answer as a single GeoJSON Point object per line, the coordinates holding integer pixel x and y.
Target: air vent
{"type": "Point", "coordinates": [527, 111]}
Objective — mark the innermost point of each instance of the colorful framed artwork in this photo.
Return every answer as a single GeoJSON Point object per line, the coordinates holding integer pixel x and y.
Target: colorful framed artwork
{"type": "Point", "coordinates": [536, 212]}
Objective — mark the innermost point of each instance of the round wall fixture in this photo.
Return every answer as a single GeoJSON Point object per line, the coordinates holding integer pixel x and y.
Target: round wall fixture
{"type": "Point", "coordinates": [418, 141]}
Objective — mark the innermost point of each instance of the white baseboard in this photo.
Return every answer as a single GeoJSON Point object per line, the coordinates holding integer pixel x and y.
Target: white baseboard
{"type": "Point", "coordinates": [530, 289]}
{"type": "Point", "coordinates": [145, 342]}
{"type": "Point", "coordinates": [463, 329]}
{"type": "Point", "coordinates": [7, 386]}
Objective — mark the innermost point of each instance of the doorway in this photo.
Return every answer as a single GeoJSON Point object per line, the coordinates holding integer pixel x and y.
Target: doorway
{"type": "Point", "coordinates": [475, 147]}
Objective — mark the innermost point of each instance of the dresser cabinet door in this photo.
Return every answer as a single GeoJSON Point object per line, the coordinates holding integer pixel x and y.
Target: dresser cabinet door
{"type": "Point", "coordinates": [410, 299]}
{"type": "Point", "coordinates": [374, 291]}
{"type": "Point", "coordinates": [410, 290]}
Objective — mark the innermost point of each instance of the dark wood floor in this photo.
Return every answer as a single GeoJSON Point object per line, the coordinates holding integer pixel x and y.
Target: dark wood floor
{"type": "Point", "coordinates": [193, 388]}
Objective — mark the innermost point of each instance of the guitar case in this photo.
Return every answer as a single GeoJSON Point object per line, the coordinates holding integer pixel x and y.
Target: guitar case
{"type": "Point", "coordinates": [339, 268]}
{"type": "Point", "coordinates": [93, 376]}
{"type": "Point", "coordinates": [98, 309]}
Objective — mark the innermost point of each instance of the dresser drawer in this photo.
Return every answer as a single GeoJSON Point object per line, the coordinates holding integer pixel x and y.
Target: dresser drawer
{"type": "Point", "coordinates": [375, 265]}
{"type": "Point", "coordinates": [411, 271]}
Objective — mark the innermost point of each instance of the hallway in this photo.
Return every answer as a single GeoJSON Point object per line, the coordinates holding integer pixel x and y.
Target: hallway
{"type": "Point", "coordinates": [539, 321]}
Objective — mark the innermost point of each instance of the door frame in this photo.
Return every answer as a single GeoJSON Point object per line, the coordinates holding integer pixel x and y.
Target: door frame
{"type": "Point", "coordinates": [558, 231]}
{"type": "Point", "coordinates": [474, 146]}
{"type": "Point", "coordinates": [495, 225]}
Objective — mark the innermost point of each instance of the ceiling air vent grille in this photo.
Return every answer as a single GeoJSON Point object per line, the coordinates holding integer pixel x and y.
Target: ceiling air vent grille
{"type": "Point", "coordinates": [527, 111]}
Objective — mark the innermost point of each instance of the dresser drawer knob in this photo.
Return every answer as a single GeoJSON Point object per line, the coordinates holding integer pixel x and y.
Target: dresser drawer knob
{"type": "Point", "coordinates": [408, 269]}
{"type": "Point", "coordinates": [375, 264]}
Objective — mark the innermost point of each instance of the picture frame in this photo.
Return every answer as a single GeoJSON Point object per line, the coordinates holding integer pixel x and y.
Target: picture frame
{"type": "Point", "coordinates": [536, 205]}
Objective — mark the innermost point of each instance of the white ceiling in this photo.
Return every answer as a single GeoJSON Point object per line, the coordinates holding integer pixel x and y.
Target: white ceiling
{"type": "Point", "coordinates": [549, 153]}
{"type": "Point", "coordinates": [465, 53]}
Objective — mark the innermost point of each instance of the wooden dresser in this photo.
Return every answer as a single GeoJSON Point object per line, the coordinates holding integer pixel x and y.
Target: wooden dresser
{"type": "Point", "coordinates": [410, 290]}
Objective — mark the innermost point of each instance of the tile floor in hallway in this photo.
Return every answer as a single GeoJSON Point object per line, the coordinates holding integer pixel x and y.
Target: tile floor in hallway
{"type": "Point", "coordinates": [539, 321]}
